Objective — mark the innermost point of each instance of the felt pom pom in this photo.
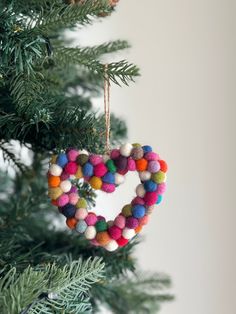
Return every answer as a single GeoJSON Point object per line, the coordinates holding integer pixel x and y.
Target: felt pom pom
{"type": "Point", "coordinates": [90, 233]}
{"type": "Point", "coordinates": [87, 169]}
{"type": "Point", "coordinates": [108, 188]}
{"type": "Point", "coordinates": [161, 188]}
{"type": "Point", "coordinates": [109, 178]}
{"type": "Point", "coordinates": [140, 191]}
{"type": "Point", "coordinates": [81, 226]}
{"type": "Point", "coordinates": [126, 210]}
{"type": "Point", "coordinates": [96, 183]}
{"type": "Point", "coordinates": [72, 154]}
{"type": "Point", "coordinates": [144, 175]}
{"type": "Point", "coordinates": [62, 160]}
{"type": "Point", "coordinates": [55, 170]}
{"type": "Point", "coordinates": [153, 166]}
{"type": "Point", "coordinates": [159, 177]}
{"type": "Point", "coordinates": [101, 225]}
{"type": "Point", "coordinates": [94, 242]}
{"type": "Point", "coordinates": [138, 201]}
{"type": "Point", "coordinates": [100, 217]}
{"type": "Point", "coordinates": [128, 233]}
{"type": "Point", "coordinates": [81, 203]}
{"type": "Point", "coordinates": [122, 172]}
{"type": "Point", "coordinates": [120, 221]}
{"type": "Point", "coordinates": [132, 223]}
{"type": "Point", "coordinates": [150, 198]}
{"type": "Point", "coordinates": [122, 241]}
{"type": "Point", "coordinates": [137, 153]}
{"type": "Point", "coordinates": [73, 198]}
{"type": "Point", "coordinates": [119, 179]}
{"type": "Point", "coordinates": [115, 153]}
{"type": "Point", "coordinates": [54, 193]}
{"type": "Point", "coordinates": [81, 213]}
{"type": "Point", "coordinates": [111, 166]}
{"type": "Point", "coordinates": [64, 176]}
{"type": "Point", "coordinates": [71, 222]}
{"type": "Point", "coordinates": [68, 210]}
{"type": "Point", "coordinates": [83, 152]}
{"type": "Point", "coordinates": [125, 149]}
{"type": "Point", "coordinates": [115, 232]}
{"type": "Point", "coordinates": [121, 162]}
{"type": "Point", "coordinates": [138, 229]}
{"type": "Point", "coordinates": [163, 165]}
{"type": "Point", "coordinates": [150, 209]}
{"type": "Point", "coordinates": [141, 164]}
{"type": "Point", "coordinates": [103, 238]}
{"type": "Point", "coordinates": [138, 211]}
{"type": "Point", "coordinates": [53, 181]}
{"type": "Point", "coordinates": [71, 167]}
{"type": "Point", "coordinates": [105, 158]}
{"type": "Point", "coordinates": [159, 199]}
{"type": "Point", "coordinates": [111, 246]}
{"type": "Point", "coordinates": [53, 159]}
{"type": "Point", "coordinates": [143, 220]}
{"type": "Point", "coordinates": [147, 148]}
{"type": "Point", "coordinates": [73, 189]}
{"type": "Point", "coordinates": [100, 170]}
{"type": "Point", "coordinates": [91, 219]}
{"type": "Point", "coordinates": [65, 186]}
{"type": "Point", "coordinates": [151, 156]}
{"type": "Point", "coordinates": [82, 159]}
{"type": "Point", "coordinates": [95, 159]}
{"type": "Point", "coordinates": [150, 186]}
{"type": "Point", "coordinates": [63, 200]}
{"type": "Point", "coordinates": [131, 166]}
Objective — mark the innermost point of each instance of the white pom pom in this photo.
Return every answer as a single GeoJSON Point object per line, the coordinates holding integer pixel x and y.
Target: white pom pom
{"type": "Point", "coordinates": [125, 149]}
{"type": "Point", "coordinates": [90, 233]}
{"type": "Point", "coordinates": [128, 233]}
{"type": "Point", "coordinates": [119, 179]}
{"type": "Point", "coordinates": [65, 186]}
{"type": "Point", "coordinates": [111, 246]}
{"type": "Point", "coordinates": [55, 170]}
{"type": "Point", "coordinates": [105, 158]}
{"type": "Point", "coordinates": [83, 151]}
{"type": "Point", "coordinates": [144, 175]}
{"type": "Point", "coordinates": [140, 191]}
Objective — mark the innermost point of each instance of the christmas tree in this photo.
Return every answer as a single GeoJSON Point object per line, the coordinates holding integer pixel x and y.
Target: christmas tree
{"type": "Point", "coordinates": [46, 91]}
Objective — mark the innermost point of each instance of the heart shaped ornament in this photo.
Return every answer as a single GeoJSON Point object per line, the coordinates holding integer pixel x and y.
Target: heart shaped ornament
{"type": "Point", "coordinates": [106, 173]}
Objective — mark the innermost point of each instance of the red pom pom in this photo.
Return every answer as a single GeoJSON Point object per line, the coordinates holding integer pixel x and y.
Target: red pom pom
{"type": "Point", "coordinates": [100, 170]}
{"type": "Point", "coordinates": [122, 241]}
{"type": "Point", "coordinates": [71, 167]}
{"type": "Point", "coordinates": [114, 232]}
{"type": "Point", "coordinates": [163, 165]}
{"type": "Point", "coordinates": [150, 198]}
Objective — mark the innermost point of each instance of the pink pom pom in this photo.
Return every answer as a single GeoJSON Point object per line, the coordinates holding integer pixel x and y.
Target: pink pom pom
{"type": "Point", "coordinates": [81, 213]}
{"type": "Point", "coordinates": [161, 188]}
{"type": "Point", "coordinates": [71, 167]}
{"type": "Point", "coordinates": [120, 221]}
{"type": "Point", "coordinates": [64, 176]}
{"type": "Point", "coordinates": [91, 219]}
{"type": "Point", "coordinates": [107, 187]}
{"type": "Point", "coordinates": [138, 201]}
{"type": "Point", "coordinates": [144, 220]}
{"type": "Point", "coordinates": [115, 232]}
{"type": "Point", "coordinates": [72, 154]}
{"type": "Point", "coordinates": [73, 198]}
{"type": "Point", "coordinates": [63, 200]}
{"type": "Point", "coordinates": [153, 166]}
{"type": "Point", "coordinates": [150, 198]}
{"type": "Point", "coordinates": [131, 165]}
{"type": "Point", "coordinates": [115, 153]}
{"type": "Point", "coordinates": [100, 170]}
{"type": "Point", "coordinates": [95, 159]}
{"type": "Point", "coordinates": [151, 156]}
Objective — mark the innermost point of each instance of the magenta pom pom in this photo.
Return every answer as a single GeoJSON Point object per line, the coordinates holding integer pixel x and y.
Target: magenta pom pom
{"type": "Point", "coordinates": [161, 188]}
{"type": "Point", "coordinates": [100, 217]}
{"type": "Point", "coordinates": [107, 187]}
{"type": "Point", "coordinates": [91, 219]}
{"type": "Point", "coordinates": [72, 154]}
{"type": "Point", "coordinates": [132, 222]}
{"type": "Point", "coordinates": [150, 198]}
{"type": "Point", "coordinates": [153, 166]}
{"type": "Point", "coordinates": [151, 156]}
{"type": "Point", "coordinates": [71, 167]}
{"type": "Point", "coordinates": [73, 189]}
{"type": "Point", "coordinates": [138, 201]}
{"type": "Point", "coordinates": [131, 165]}
{"type": "Point", "coordinates": [100, 170]}
{"type": "Point", "coordinates": [73, 198]}
{"type": "Point", "coordinates": [122, 172]}
{"type": "Point", "coordinates": [63, 200]}
{"type": "Point", "coordinates": [115, 153]}
{"type": "Point", "coordinates": [114, 232]}
{"type": "Point", "coordinates": [64, 176]}
{"type": "Point", "coordinates": [95, 159]}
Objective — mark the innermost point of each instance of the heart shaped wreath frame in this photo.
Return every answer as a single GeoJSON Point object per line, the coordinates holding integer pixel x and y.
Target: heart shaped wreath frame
{"type": "Point", "coordinates": [106, 173]}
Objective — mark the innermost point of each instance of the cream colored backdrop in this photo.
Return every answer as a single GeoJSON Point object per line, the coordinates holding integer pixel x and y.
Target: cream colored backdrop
{"type": "Point", "coordinates": [184, 106]}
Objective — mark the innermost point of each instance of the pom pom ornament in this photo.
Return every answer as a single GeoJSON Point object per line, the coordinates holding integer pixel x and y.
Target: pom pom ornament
{"type": "Point", "coordinates": [107, 174]}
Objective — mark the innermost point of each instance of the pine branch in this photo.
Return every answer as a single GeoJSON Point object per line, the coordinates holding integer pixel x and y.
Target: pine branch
{"type": "Point", "coordinates": [9, 155]}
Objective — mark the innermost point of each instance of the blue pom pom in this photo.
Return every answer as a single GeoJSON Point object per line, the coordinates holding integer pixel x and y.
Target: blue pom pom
{"type": "Point", "coordinates": [150, 186]}
{"type": "Point", "coordinates": [68, 210]}
{"type": "Point", "coordinates": [147, 149]}
{"type": "Point", "coordinates": [81, 226]}
{"type": "Point", "coordinates": [138, 211]}
{"type": "Point", "coordinates": [160, 197]}
{"type": "Point", "coordinates": [109, 178]}
{"type": "Point", "coordinates": [62, 160]}
{"type": "Point", "coordinates": [88, 169]}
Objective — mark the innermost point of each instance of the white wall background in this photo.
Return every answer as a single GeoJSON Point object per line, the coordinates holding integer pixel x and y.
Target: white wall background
{"type": "Point", "coordinates": [184, 106]}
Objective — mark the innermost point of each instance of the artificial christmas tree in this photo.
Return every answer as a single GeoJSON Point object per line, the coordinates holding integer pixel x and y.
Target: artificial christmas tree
{"type": "Point", "coordinates": [45, 106]}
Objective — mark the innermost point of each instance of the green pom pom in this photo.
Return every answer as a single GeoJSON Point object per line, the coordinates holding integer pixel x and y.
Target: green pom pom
{"type": "Point", "coordinates": [101, 225]}
{"type": "Point", "coordinates": [111, 166]}
{"type": "Point", "coordinates": [158, 177]}
{"type": "Point", "coordinates": [81, 203]}
{"type": "Point", "coordinates": [82, 159]}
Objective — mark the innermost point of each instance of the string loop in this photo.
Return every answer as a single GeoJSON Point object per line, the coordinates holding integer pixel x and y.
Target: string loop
{"type": "Point", "coordinates": [107, 107]}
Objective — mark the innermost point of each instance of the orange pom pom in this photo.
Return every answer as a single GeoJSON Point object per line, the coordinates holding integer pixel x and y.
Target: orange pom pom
{"type": "Point", "coordinates": [103, 238]}
{"type": "Point", "coordinates": [163, 165]}
{"type": "Point", "coordinates": [53, 181]}
{"type": "Point", "coordinates": [71, 222]}
{"type": "Point", "coordinates": [54, 202]}
{"type": "Point", "coordinates": [138, 229]}
{"type": "Point", "coordinates": [96, 183]}
{"type": "Point", "coordinates": [141, 164]}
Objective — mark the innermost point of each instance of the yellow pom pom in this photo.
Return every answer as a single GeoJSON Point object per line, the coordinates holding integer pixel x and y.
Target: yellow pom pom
{"type": "Point", "coordinates": [79, 173]}
{"type": "Point", "coordinates": [158, 177]}
{"type": "Point", "coordinates": [81, 203]}
{"type": "Point", "coordinates": [54, 193]}
{"type": "Point", "coordinates": [126, 210]}
{"type": "Point", "coordinates": [96, 183]}
{"type": "Point", "coordinates": [136, 145]}
{"type": "Point", "coordinates": [53, 159]}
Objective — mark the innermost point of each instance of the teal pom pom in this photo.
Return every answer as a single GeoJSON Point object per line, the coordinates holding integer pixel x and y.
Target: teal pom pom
{"type": "Point", "coordinates": [159, 199]}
